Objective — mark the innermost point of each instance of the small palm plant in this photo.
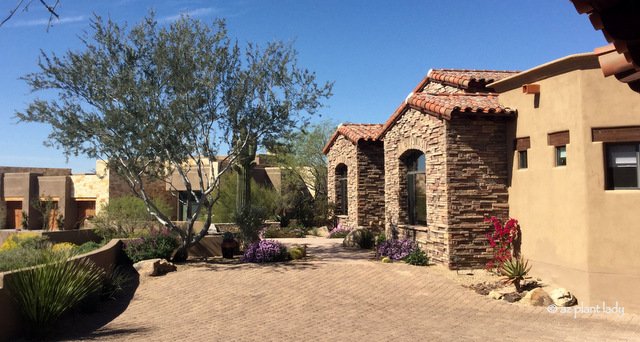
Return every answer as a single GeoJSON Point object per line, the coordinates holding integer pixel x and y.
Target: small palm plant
{"type": "Point", "coordinates": [514, 271]}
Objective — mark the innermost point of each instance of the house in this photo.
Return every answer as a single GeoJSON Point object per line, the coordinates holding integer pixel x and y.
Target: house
{"type": "Point", "coordinates": [574, 177]}
{"type": "Point", "coordinates": [444, 155]}
{"type": "Point", "coordinates": [556, 147]}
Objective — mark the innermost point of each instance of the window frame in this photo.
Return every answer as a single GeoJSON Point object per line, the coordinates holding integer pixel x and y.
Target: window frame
{"type": "Point", "coordinates": [416, 165]}
{"type": "Point", "coordinates": [343, 179]}
{"type": "Point", "coordinates": [559, 140]}
{"type": "Point", "coordinates": [561, 161]}
{"type": "Point", "coordinates": [522, 146]}
{"type": "Point", "coordinates": [609, 185]}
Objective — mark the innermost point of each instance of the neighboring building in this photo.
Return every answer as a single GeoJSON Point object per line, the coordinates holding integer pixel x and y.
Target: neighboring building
{"type": "Point", "coordinates": [576, 192]}
{"type": "Point", "coordinates": [79, 196]}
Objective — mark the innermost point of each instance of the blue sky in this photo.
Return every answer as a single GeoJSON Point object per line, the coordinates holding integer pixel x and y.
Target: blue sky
{"type": "Point", "coordinates": [376, 51]}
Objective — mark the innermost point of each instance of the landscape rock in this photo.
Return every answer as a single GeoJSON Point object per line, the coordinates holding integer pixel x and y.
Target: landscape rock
{"type": "Point", "coordinates": [495, 295]}
{"type": "Point", "coordinates": [359, 238]}
{"type": "Point", "coordinates": [562, 297]}
{"type": "Point", "coordinates": [537, 297]}
{"type": "Point", "coordinates": [154, 267]}
{"type": "Point", "coordinates": [512, 297]}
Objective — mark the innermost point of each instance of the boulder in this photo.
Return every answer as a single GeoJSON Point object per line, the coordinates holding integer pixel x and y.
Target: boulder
{"type": "Point", "coordinates": [512, 297]}
{"type": "Point", "coordinates": [562, 297]}
{"type": "Point", "coordinates": [495, 295]}
{"type": "Point", "coordinates": [537, 297]}
{"type": "Point", "coordinates": [154, 267]}
{"type": "Point", "coordinates": [360, 237]}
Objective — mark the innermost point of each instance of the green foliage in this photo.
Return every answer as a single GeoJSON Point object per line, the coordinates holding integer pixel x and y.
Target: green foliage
{"type": "Point", "coordinates": [274, 232]}
{"type": "Point", "coordinates": [158, 100]}
{"type": "Point", "coordinates": [88, 247]}
{"type": "Point", "coordinates": [157, 245]}
{"type": "Point", "coordinates": [44, 293]}
{"type": "Point", "coordinates": [25, 220]}
{"type": "Point", "coordinates": [298, 252]}
{"type": "Point", "coordinates": [514, 271]}
{"type": "Point", "coordinates": [225, 207]}
{"type": "Point", "coordinates": [114, 281]}
{"type": "Point", "coordinates": [25, 240]}
{"type": "Point", "coordinates": [17, 258]}
{"type": "Point", "coordinates": [125, 216]}
{"type": "Point", "coordinates": [417, 257]}
{"type": "Point", "coordinates": [364, 238]}
{"type": "Point", "coordinates": [3, 214]}
{"type": "Point", "coordinates": [250, 221]}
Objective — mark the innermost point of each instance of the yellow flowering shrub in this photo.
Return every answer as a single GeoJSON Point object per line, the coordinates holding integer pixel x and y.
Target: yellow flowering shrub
{"type": "Point", "coordinates": [17, 240]}
{"type": "Point", "coordinates": [64, 247]}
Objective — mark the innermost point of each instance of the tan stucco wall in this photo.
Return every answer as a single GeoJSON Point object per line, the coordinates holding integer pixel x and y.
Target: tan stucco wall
{"type": "Point", "coordinates": [575, 233]}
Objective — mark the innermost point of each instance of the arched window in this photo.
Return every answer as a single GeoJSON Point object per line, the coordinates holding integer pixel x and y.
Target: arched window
{"type": "Point", "coordinates": [341, 191]}
{"type": "Point", "coordinates": [416, 189]}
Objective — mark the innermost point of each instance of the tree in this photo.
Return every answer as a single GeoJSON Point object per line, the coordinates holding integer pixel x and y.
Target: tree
{"type": "Point", "coordinates": [305, 167]}
{"type": "Point", "coordinates": [25, 7]}
{"type": "Point", "coordinates": [273, 94]}
{"type": "Point", "coordinates": [155, 101]}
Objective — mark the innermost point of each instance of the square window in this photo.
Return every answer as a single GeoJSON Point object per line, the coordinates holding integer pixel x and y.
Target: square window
{"type": "Point", "coordinates": [622, 166]}
{"type": "Point", "coordinates": [561, 155]}
{"type": "Point", "coordinates": [522, 160]}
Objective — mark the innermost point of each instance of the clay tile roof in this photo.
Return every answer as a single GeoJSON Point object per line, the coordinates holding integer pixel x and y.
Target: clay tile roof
{"type": "Point", "coordinates": [461, 78]}
{"type": "Point", "coordinates": [445, 105]}
{"type": "Point", "coordinates": [354, 133]}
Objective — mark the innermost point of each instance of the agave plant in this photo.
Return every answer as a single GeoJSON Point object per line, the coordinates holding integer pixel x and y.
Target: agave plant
{"type": "Point", "coordinates": [514, 271]}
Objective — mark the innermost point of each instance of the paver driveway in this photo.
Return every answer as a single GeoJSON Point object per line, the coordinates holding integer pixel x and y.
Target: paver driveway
{"type": "Point", "coordinates": [341, 297]}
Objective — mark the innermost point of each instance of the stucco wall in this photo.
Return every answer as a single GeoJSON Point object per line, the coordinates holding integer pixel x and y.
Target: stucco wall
{"type": "Point", "coordinates": [576, 234]}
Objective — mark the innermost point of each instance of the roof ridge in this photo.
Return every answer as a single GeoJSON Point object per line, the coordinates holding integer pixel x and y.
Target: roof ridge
{"type": "Point", "coordinates": [477, 70]}
{"type": "Point", "coordinates": [456, 94]}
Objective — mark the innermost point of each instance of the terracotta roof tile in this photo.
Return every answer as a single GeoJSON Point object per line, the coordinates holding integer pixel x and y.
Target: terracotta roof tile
{"type": "Point", "coordinates": [445, 105]}
{"type": "Point", "coordinates": [354, 133]}
{"type": "Point", "coordinates": [463, 78]}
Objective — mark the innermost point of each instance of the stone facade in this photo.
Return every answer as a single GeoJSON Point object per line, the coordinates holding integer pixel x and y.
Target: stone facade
{"type": "Point", "coordinates": [466, 181]}
{"type": "Point", "coordinates": [365, 181]}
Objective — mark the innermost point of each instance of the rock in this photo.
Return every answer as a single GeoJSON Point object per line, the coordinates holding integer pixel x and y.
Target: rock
{"type": "Point", "coordinates": [512, 297]}
{"type": "Point", "coordinates": [360, 237]}
{"type": "Point", "coordinates": [495, 295]}
{"type": "Point", "coordinates": [537, 297]}
{"type": "Point", "coordinates": [562, 297]}
{"type": "Point", "coordinates": [154, 267]}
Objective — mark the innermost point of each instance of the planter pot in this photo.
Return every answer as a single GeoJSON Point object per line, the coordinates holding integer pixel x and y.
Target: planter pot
{"type": "Point", "coordinates": [228, 247]}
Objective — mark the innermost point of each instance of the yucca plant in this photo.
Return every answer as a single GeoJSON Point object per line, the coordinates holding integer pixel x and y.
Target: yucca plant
{"type": "Point", "coordinates": [43, 293]}
{"type": "Point", "coordinates": [514, 271]}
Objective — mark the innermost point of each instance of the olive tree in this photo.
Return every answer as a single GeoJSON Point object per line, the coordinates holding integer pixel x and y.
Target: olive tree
{"type": "Point", "coordinates": [155, 101]}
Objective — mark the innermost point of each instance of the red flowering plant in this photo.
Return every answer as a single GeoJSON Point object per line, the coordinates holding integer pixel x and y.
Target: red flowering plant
{"type": "Point", "coordinates": [502, 241]}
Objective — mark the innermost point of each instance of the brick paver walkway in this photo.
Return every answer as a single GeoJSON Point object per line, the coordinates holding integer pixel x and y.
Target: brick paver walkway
{"type": "Point", "coordinates": [341, 297]}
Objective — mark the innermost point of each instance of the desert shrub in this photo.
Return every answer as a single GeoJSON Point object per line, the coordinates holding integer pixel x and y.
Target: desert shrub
{"type": "Point", "coordinates": [44, 293]}
{"type": "Point", "coordinates": [157, 245]}
{"type": "Point", "coordinates": [224, 209]}
{"type": "Point", "coordinates": [417, 257]}
{"type": "Point", "coordinates": [25, 240]}
{"type": "Point", "coordinates": [339, 232]}
{"type": "Point", "coordinates": [64, 247]}
{"type": "Point", "coordinates": [17, 258]}
{"type": "Point", "coordinates": [123, 216]}
{"type": "Point", "coordinates": [298, 252]}
{"type": "Point", "coordinates": [113, 282]}
{"type": "Point", "coordinates": [250, 220]}
{"type": "Point", "coordinates": [502, 241]}
{"type": "Point", "coordinates": [395, 249]}
{"type": "Point", "coordinates": [88, 247]}
{"type": "Point", "coordinates": [364, 238]}
{"type": "Point", "coordinates": [273, 232]}
{"type": "Point", "coordinates": [265, 251]}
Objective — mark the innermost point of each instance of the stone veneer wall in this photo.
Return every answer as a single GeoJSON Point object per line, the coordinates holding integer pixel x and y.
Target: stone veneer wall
{"type": "Point", "coordinates": [478, 186]}
{"type": "Point", "coordinates": [417, 131]}
{"type": "Point", "coordinates": [344, 152]}
{"type": "Point", "coordinates": [466, 177]}
{"type": "Point", "coordinates": [370, 180]}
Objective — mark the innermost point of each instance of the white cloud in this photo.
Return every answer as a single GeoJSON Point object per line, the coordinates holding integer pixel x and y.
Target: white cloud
{"type": "Point", "coordinates": [45, 21]}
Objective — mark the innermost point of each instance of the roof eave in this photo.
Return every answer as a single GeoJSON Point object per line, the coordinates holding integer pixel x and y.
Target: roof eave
{"type": "Point", "coordinates": [563, 65]}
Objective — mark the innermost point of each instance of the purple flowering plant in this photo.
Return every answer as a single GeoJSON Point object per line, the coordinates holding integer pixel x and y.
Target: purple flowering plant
{"type": "Point", "coordinates": [265, 251]}
{"type": "Point", "coordinates": [395, 249]}
{"type": "Point", "coordinates": [339, 232]}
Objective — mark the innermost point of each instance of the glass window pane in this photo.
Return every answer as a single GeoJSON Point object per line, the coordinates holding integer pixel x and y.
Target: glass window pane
{"type": "Point", "coordinates": [522, 159]}
{"type": "Point", "coordinates": [622, 156]}
{"type": "Point", "coordinates": [622, 166]}
{"type": "Point", "coordinates": [561, 156]}
{"type": "Point", "coordinates": [421, 163]}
